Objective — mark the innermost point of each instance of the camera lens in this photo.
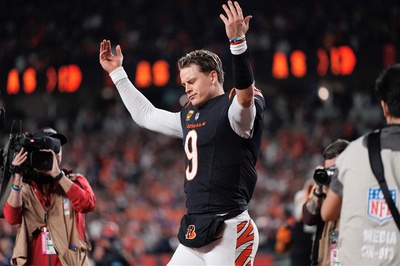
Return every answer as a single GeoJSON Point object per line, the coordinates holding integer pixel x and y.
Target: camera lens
{"type": "Point", "coordinates": [321, 177]}
{"type": "Point", "coordinates": [41, 160]}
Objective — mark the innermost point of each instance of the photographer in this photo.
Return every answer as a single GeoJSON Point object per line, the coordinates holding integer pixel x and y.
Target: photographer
{"type": "Point", "coordinates": [48, 206]}
{"type": "Point", "coordinates": [326, 233]}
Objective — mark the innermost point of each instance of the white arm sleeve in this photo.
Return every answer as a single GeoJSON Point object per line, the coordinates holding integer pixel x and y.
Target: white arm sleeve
{"type": "Point", "coordinates": [242, 119]}
{"type": "Point", "coordinates": [143, 112]}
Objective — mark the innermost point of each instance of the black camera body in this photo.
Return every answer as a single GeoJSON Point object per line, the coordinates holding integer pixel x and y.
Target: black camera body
{"type": "Point", "coordinates": [323, 176]}
{"type": "Point", "coordinates": [37, 159]}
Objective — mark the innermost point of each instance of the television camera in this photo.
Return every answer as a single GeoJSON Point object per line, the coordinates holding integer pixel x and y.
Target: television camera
{"type": "Point", "coordinates": [37, 158]}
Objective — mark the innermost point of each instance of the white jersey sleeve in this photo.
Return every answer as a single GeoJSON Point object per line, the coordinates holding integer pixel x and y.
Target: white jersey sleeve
{"type": "Point", "coordinates": [242, 119]}
{"type": "Point", "coordinates": [142, 111]}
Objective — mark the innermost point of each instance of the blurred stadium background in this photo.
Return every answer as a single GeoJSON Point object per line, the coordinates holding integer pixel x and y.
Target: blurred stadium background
{"type": "Point", "coordinates": [315, 62]}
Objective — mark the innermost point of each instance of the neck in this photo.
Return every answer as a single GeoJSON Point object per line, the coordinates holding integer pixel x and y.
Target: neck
{"type": "Point", "coordinates": [219, 90]}
{"type": "Point", "coordinates": [390, 120]}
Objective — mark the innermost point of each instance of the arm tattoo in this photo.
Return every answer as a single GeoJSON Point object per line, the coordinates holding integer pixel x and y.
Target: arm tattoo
{"type": "Point", "coordinates": [314, 206]}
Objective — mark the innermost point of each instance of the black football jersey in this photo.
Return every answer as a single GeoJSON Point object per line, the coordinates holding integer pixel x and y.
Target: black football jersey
{"type": "Point", "coordinates": [219, 164]}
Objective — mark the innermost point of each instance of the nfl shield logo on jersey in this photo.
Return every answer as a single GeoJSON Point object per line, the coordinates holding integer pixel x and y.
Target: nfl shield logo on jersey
{"type": "Point", "coordinates": [377, 206]}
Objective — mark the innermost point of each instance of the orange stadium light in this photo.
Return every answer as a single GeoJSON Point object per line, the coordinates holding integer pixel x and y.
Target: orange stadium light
{"type": "Point", "coordinates": [69, 78]}
{"type": "Point", "coordinates": [343, 60]}
{"type": "Point", "coordinates": [29, 80]}
{"type": "Point", "coordinates": [160, 73]}
{"type": "Point", "coordinates": [298, 64]}
{"type": "Point", "coordinates": [335, 61]}
{"type": "Point", "coordinates": [13, 85]}
{"type": "Point", "coordinates": [348, 60]}
{"type": "Point", "coordinates": [280, 69]}
{"type": "Point", "coordinates": [323, 62]}
{"type": "Point", "coordinates": [143, 74]}
{"type": "Point", "coordinates": [51, 79]}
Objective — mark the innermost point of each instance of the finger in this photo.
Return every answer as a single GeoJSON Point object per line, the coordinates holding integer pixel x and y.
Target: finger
{"type": "Point", "coordinates": [232, 9]}
{"type": "Point", "coordinates": [21, 160]}
{"type": "Point", "coordinates": [107, 48]}
{"type": "Point", "coordinates": [102, 56]}
{"type": "Point", "coordinates": [103, 50]}
{"type": "Point", "coordinates": [227, 11]}
{"type": "Point", "coordinates": [101, 46]}
{"type": "Point", "coordinates": [223, 18]}
{"type": "Point", "coordinates": [238, 10]}
{"type": "Point", "coordinates": [118, 50]}
{"type": "Point", "coordinates": [247, 20]}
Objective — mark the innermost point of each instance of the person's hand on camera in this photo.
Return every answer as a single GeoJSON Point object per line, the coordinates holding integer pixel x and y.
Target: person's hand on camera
{"type": "Point", "coordinates": [18, 160]}
{"type": "Point", "coordinates": [20, 157]}
{"type": "Point", "coordinates": [321, 189]}
{"type": "Point", "coordinates": [55, 169]}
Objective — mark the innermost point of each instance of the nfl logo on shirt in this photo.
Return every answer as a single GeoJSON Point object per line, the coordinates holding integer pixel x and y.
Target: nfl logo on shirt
{"type": "Point", "coordinates": [377, 206]}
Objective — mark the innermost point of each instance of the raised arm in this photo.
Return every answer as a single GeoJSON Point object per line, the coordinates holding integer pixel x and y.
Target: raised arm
{"type": "Point", "coordinates": [242, 111]}
{"type": "Point", "coordinates": [142, 111]}
{"type": "Point", "coordinates": [236, 27]}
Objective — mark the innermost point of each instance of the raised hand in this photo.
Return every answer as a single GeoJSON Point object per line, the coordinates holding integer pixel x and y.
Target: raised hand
{"type": "Point", "coordinates": [108, 60]}
{"type": "Point", "coordinates": [235, 24]}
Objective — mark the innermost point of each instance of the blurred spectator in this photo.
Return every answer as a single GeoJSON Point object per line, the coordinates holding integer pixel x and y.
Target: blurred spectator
{"type": "Point", "coordinates": [7, 238]}
{"type": "Point", "coordinates": [109, 250]}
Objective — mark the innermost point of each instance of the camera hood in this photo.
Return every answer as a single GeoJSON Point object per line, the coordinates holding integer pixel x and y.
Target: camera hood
{"type": "Point", "coordinates": [49, 132]}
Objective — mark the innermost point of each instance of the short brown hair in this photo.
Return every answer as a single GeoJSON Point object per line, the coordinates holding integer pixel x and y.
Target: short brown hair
{"type": "Point", "coordinates": [206, 60]}
{"type": "Point", "coordinates": [335, 148]}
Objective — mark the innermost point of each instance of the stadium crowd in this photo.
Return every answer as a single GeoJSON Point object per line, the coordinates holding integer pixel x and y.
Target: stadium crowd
{"type": "Point", "coordinates": [135, 174]}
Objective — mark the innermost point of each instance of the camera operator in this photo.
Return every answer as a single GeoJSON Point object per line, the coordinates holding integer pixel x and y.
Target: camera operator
{"type": "Point", "coordinates": [326, 233]}
{"type": "Point", "coordinates": [49, 207]}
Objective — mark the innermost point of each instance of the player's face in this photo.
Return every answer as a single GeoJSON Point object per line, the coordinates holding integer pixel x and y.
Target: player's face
{"type": "Point", "coordinates": [199, 87]}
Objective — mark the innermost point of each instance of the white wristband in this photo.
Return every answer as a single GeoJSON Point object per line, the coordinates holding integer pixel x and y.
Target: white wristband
{"type": "Point", "coordinates": [240, 48]}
